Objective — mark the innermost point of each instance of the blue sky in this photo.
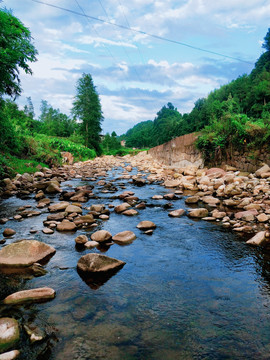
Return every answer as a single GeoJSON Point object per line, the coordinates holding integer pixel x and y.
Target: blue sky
{"type": "Point", "coordinates": [134, 74]}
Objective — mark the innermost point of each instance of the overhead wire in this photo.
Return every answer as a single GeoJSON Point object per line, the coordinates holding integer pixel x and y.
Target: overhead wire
{"type": "Point", "coordinates": [127, 54]}
{"type": "Point", "coordinates": [144, 33]}
{"type": "Point", "coordinates": [109, 51]}
{"type": "Point", "coordinates": [128, 24]}
{"type": "Point", "coordinates": [113, 57]}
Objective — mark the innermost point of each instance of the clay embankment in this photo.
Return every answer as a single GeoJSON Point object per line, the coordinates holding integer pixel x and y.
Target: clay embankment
{"type": "Point", "coordinates": [181, 152]}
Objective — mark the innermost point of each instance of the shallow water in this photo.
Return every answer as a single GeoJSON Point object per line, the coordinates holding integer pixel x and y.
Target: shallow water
{"type": "Point", "coordinates": [192, 290]}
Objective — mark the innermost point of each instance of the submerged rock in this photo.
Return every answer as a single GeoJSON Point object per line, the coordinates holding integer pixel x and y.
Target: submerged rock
{"type": "Point", "coordinates": [24, 253]}
{"type": "Point", "coordinates": [32, 295]}
{"type": "Point", "coordinates": [9, 333]}
{"type": "Point", "coordinates": [97, 263]}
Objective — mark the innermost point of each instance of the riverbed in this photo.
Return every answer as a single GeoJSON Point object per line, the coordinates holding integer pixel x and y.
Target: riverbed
{"type": "Point", "coordinates": [191, 290]}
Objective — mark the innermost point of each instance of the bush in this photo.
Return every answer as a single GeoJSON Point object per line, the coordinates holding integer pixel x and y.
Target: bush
{"type": "Point", "coordinates": [79, 151]}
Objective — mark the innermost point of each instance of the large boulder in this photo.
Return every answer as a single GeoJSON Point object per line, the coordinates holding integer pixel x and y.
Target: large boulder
{"type": "Point", "coordinates": [9, 333]}
{"type": "Point", "coordinates": [32, 295]}
{"type": "Point", "coordinates": [24, 253]}
{"type": "Point", "coordinates": [97, 263]}
{"type": "Point", "coordinates": [124, 237]}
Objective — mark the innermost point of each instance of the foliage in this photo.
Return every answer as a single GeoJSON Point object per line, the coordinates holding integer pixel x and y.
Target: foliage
{"type": "Point", "coordinates": [87, 108]}
{"type": "Point", "coordinates": [79, 151]}
{"type": "Point", "coordinates": [152, 133]}
{"type": "Point", "coordinates": [55, 123]}
{"type": "Point", "coordinates": [110, 142]}
{"type": "Point", "coordinates": [16, 50]}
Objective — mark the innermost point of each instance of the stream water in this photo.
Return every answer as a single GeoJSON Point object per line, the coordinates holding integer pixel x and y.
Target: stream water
{"type": "Point", "coordinates": [192, 290]}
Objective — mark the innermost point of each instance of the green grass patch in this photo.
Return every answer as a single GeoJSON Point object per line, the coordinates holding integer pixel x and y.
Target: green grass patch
{"type": "Point", "coordinates": [124, 151]}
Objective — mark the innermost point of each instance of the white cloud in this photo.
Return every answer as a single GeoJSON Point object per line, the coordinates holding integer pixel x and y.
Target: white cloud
{"type": "Point", "coordinates": [98, 41]}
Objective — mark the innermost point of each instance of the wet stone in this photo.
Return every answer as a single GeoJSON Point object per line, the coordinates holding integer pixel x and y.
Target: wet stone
{"type": "Point", "coordinates": [8, 232]}
{"type": "Point", "coordinates": [9, 333]}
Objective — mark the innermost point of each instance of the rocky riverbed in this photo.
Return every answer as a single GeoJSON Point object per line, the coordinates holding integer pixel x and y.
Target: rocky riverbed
{"type": "Point", "coordinates": [77, 203]}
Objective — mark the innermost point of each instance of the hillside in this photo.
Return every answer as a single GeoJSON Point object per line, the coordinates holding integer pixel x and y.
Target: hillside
{"type": "Point", "coordinates": [237, 113]}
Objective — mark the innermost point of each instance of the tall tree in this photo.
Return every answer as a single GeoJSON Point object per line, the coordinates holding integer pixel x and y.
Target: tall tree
{"type": "Point", "coordinates": [16, 50]}
{"type": "Point", "coordinates": [87, 108]}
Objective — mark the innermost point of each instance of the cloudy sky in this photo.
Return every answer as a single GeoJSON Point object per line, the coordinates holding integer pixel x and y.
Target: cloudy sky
{"type": "Point", "coordinates": [136, 74]}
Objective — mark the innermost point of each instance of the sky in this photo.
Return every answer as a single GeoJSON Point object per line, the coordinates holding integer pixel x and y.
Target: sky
{"type": "Point", "coordinates": [136, 74]}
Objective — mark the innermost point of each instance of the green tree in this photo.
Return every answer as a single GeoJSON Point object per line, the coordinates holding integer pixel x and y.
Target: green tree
{"type": "Point", "coordinates": [87, 108]}
{"type": "Point", "coordinates": [266, 44]}
{"type": "Point", "coordinates": [54, 122]}
{"type": "Point", "coordinates": [16, 50]}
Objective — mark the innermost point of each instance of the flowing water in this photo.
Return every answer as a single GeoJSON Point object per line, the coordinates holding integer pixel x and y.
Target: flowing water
{"type": "Point", "coordinates": [192, 290]}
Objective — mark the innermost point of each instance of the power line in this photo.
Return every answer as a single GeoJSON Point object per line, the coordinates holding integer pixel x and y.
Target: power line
{"type": "Point", "coordinates": [109, 51]}
{"type": "Point", "coordinates": [143, 32]}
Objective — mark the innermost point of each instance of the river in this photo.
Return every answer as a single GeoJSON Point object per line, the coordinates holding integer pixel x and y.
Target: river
{"type": "Point", "coordinates": [191, 290]}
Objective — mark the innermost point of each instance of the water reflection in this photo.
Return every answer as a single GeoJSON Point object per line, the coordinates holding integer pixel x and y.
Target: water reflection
{"type": "Point", "coordinates": [96, 280]}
